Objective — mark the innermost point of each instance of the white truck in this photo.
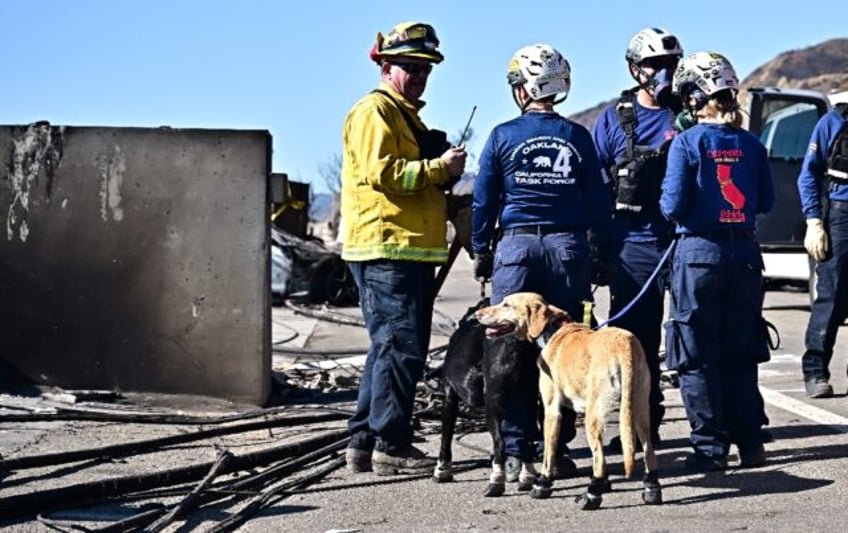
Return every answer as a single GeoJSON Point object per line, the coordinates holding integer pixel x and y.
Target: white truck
{"type": "Point", "coordinates": [783, 119]}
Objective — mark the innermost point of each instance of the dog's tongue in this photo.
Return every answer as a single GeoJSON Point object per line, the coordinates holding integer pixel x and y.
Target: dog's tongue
{"type": "Point", "coordinates": [497, 331]}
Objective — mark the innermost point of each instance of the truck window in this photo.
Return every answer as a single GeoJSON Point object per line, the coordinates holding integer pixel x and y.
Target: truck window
{"type": "Point", "coordinates": [786, 131]}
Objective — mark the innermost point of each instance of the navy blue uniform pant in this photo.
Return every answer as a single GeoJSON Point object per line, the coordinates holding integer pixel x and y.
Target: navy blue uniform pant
{"type": "Point", "coordinates": [830, 307]}
{"type": "Point", "coordinates": [396, 298]}
{"type": "Point", "coordinates": [715, 338]}
{"type": "Point", "coordinates": [636, 262]}
{"type": "Point", "coordinates": [557, 267]}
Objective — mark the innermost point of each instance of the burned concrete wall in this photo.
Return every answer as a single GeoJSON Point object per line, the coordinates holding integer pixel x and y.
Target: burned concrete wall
{"type": "Point", "coordinates": [136, 259]}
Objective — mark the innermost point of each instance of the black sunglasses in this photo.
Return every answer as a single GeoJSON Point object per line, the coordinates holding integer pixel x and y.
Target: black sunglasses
{"type": "Point", "coordinates": [413, 69]}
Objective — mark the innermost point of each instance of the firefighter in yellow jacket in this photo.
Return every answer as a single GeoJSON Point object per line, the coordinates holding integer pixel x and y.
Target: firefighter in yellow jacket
{"type": "Point", "coordinates": [394, 175]}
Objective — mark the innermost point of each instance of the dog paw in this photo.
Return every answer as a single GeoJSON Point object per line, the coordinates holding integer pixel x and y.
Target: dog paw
{"type": "Point", "coordinates": [493, 490]}
{"type": "Point", "coordinates": [525, 484]}
{"type": "Point", "coordinates": [443, 472]}
{"type": "Point", "coordinates": [598, 486]}
{"type": "Point", "coordinates": [541, 493]}
{"type": "Point", "coordinates": [542, 488]}
{"type": "Point", "coordinates": [443, 477]}
{"type": "Point", "coordinates": [652, 495]}
{"type": "Point", "coordinates": [588, 501]}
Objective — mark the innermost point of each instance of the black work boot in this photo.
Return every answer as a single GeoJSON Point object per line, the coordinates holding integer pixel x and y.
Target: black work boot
{"type": "Point", "coordinates": [358, 460]}
{"type": "Point", "coordinates": [699, 462]}
{"type": "Point", "coordinates": [752, 457]}
{"type": "Point", "coordinates": [407, 460]}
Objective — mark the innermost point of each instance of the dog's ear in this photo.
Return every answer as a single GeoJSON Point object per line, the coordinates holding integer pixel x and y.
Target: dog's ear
{"type": "Point", "coordinates": [555, 314]}
{"type": "Point", "coordinates": [537, 319]}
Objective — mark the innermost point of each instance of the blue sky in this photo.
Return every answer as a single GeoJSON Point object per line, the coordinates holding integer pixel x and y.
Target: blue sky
{"type": "Point", "coordinates": [295, 67]}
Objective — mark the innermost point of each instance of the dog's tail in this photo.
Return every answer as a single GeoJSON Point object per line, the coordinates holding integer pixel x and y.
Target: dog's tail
{"type": "Point", "coordinates": [625, 423]}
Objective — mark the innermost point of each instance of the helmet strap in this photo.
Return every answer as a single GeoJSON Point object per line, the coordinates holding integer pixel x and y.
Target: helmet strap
{"type": "Point", "coordinates": [640, 72]}
{"type": "Point", "coordinates": [516, 90]}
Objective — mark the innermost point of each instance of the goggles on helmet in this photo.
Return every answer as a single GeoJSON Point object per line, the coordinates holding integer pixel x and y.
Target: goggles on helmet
{"type": "Point", "coordinates": [419, 35]}
{"type": "Point", "coordinates": [409, 39]}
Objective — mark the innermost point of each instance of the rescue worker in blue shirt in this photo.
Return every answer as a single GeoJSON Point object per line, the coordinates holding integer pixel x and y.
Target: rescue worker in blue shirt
{"type": "Point", "coordinates": [539, 185]}
{"type": "Point", "coordinates": [717, 181]}
{"type": "Point", "coordinates": [632, 137]}
{"type": "Point", "coordinates": [826, 240]}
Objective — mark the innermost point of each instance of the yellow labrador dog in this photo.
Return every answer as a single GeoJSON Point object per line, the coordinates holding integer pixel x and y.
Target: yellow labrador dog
{"type": "Point", "coordinates": [590, 371]}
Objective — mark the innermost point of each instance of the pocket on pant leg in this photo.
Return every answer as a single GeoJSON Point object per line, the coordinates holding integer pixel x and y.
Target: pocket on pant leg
{"type": "Point", "coordinates": [508, 256]}
{"type": "Point", "coordinates": [511, 268]}
{"type": "Point", "coordinates": [387, 297]}
{"type": "Point", "coordinates": [681, 347]}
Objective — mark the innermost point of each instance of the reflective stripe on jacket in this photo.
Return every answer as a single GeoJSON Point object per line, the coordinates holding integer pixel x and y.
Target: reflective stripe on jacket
{"type": "Point", "coordinates": [390, 204]}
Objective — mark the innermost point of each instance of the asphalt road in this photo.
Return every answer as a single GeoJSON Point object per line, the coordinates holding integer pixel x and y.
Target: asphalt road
{"type": "Point", "coordinates": [802, 487]}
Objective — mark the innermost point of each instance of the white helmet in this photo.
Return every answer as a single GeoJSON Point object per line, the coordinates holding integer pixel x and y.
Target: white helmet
{"type": "Point", "coordinates": [706, 72]}
{"type": "Point", "coordinates": [541, 70]}
{"type": "Point", "coordinates": [652, 42]}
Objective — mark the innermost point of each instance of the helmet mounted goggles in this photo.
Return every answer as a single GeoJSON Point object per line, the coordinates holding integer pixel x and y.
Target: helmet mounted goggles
{"type": "Point", "coordinates": [409, 39]}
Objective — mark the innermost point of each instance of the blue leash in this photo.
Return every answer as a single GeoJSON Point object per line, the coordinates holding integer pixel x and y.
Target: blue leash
{"type": "Point", "coordinates": [644, 288]}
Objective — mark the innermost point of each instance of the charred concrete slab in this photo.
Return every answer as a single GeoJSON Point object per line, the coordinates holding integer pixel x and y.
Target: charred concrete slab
{"type": "Point", "coordinates": [136, 258]}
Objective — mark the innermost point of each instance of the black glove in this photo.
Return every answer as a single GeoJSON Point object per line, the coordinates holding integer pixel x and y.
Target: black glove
{"type": "Point", "coordinates": [484, 263]}
{"type": "Point", "coordinates": [603, 272]}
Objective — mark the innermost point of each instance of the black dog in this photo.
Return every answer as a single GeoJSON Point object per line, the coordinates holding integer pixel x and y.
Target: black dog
{"type": "Point", "coordinates": [482, 372]}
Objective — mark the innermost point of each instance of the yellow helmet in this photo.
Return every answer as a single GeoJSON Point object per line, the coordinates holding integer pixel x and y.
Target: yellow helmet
{"type": "Point", "coordinates": [408, 39]}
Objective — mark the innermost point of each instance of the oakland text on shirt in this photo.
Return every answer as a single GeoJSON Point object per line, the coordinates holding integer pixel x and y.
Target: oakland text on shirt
{"type": "Point", "coordinates": [544, 160]}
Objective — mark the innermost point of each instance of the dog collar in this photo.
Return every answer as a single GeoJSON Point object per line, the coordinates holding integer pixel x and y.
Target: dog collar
{"type": "Point", "coordinates": [543, 339]}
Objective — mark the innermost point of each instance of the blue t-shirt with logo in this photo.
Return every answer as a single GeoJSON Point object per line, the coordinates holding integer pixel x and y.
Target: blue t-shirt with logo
{"type": "Point", "coordinates": [538, 169]}
{"type": "Point", "coordinates": [717, 177]}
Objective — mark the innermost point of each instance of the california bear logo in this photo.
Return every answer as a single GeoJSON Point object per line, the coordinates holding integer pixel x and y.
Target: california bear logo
{"type": "Point", "coordinates": [729, 189]}
{"type": "Point", "coordinates": [542, 161]}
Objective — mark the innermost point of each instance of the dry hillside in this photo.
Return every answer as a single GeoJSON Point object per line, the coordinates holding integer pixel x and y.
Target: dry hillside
{"type": "Point", "coordinates": [823, 67]}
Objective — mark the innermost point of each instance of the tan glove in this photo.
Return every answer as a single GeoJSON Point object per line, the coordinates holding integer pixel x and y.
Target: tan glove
{"type": "Point", "coordinates": [815, 240]}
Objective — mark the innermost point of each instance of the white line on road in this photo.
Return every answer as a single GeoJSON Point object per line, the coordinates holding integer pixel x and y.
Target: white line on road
{"type": "Point", "coordinates": [816, 414]}
{"type": "Point", "coordinates": [326, 364]}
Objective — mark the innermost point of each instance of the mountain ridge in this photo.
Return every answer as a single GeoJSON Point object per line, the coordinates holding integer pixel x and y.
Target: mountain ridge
{"type": "Point", "coordinates": [822, 67]}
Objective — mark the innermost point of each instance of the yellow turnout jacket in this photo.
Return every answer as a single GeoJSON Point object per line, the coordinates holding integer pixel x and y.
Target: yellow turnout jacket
{"type": "Point", "coordinates": [390, 204]}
